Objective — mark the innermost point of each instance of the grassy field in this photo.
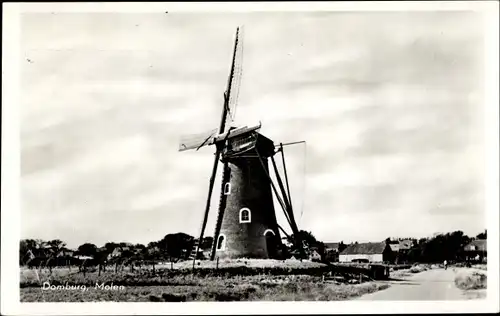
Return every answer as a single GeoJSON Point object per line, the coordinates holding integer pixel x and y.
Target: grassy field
{"type": "Point", "coordinates": [251, 263]}
{"type": "Point", "coordinates": [235, 280]}
{"type": "Point", "coordinates": [248, 288]}
{"type": "Point", "coordinates": [242, 264]}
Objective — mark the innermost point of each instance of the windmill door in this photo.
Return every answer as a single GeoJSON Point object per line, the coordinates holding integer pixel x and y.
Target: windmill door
{"type": "Point", "coordinates": [271, 244]}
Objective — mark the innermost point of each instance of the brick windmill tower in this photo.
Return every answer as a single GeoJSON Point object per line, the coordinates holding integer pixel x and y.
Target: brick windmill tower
{"type": "Point", "coordinates": [246, 225]}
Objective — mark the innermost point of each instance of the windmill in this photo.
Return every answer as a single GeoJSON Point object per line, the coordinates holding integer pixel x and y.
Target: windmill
{"type": "Point", "coordinates": [246, 224]}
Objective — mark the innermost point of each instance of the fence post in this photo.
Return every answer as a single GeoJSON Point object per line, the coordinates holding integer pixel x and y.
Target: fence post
{"type": "Point", "coordinates": [217, 264]}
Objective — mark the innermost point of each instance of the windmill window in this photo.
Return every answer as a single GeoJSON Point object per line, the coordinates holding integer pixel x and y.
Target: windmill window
{"type": "Point", "coordinates": [221, 242]}
{"type": "Point", "coordinates": [227, 188]}
{"type": "Point", "coordinates": [245, 215]}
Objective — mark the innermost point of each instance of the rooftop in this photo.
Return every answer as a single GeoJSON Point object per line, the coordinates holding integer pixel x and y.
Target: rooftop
{"type": "Point", "coordinates": [479, 244]}
{"type": "Point", "coordinates": [332, 245]}
{"type": "Point", "coordinates": [364, 248]}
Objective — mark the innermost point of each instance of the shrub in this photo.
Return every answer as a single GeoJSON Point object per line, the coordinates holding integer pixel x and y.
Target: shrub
{"type": "Point", "coordinates": [167, 297]}
{"type": "Point", "coordinates": [471, 280]}
{"type": "Point", "coordinates": [480, 266]}
{"type": "Point", "coordinates": [153, 298]}
{"type": "Point", "coordinates": [418, 268]}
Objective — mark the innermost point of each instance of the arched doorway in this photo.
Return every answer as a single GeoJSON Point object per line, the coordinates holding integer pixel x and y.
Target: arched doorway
{"type": "Point", "coordinates": [271, 243]}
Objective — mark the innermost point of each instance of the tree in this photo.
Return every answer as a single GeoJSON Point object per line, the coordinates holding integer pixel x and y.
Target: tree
{"type": "Point", "coordinates": [29, 244]}
{"type": "Point", "coordinates": [56, 245]}
{"type": "Point", "coordinates": [342, 246]}
{"type": "Point", "coordinates": [110, 246]}
{"type": "Point", "coordinates": [310, 241]}
{"type": "Point", "coordinates": [27, 248]}
{"type": "Point", "coordinates": [87, 249]}
{"type": "Point", "coordinates": [177, 246]}
{"type": "Point", "coordinates": [139, 247]}
{"type": "Point", "coordinates": [441, 247]}
{"type": "Point", "coordinates": [153, 253]}
{"type": "Point", "coordinates": [152, 244]}
{"type": "Point", "coordinates": [207, 242]}
{"type": "Point", "coordinates": [101, 258]}
{"type": "Point", "coordinates": [482, 235]}
{"type": "Point", "coordinates": [414, 254]}
{"type": "Point", "coordinates": [127, 256]}
{"type": "Point", "coordinates": [306, 237]}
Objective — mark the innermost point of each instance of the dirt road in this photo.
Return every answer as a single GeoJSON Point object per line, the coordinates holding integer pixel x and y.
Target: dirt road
{"type": "Point", "coordinates": [435, 284]}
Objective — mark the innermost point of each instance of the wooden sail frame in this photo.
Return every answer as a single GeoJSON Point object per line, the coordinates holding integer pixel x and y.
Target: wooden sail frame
{"type": "Point", "coordinates": [218, 149]}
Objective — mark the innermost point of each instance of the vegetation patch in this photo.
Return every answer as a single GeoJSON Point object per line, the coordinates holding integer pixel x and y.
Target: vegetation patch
{"type": "Point", "coordinates": [480, 267]}
{"type": "Point", "coordinates": [419, 268]}
{"type": "Point", "coordinates": [187, 276]}
{"type": "Point", "coordinates": [238, 288]}
{"type": "Point", "coordinates": [471, 280]}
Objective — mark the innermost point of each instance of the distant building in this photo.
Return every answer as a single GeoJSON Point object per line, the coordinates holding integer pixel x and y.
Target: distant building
{"type": "Point", "coordinates": [476, 250]}
{"type": "Point", "coordinates": [332, 250]}
{"type": "Point", "coordinates": [118, 251]}
{"type": "Point", "coordinates": [405, 245]}
{"type": "Point", "coordinates": [367, 252]}
{"type": "Point", "coordinates": [401, 245]}
{"type": "Point", "coordinates": [400, 250]}
{"type": "Point", "coordinates": [394, 247]}
{"type": "Point", "coordinates": [65, 252]}
{"type": "Point", "coordinates": [332, 246]}
{"type": "Point", "coordinates": [81, 257]}
{"type": "Point", "coordinates": [314, 255]}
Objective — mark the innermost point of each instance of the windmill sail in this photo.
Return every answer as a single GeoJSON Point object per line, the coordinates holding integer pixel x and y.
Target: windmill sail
{"type": "Point", "coordinates": [225, 109]}
{"type": "Point", "coordinates": [195, 141]}
{"type": "Point", "coordinates": [235, 81]}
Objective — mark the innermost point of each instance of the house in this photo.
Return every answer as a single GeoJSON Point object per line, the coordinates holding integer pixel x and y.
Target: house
{"type": "Point", "coordinates": [367, 252]}
{"type": "Point", "coordinates": [202, 253]}
{"type": "Point", "coordinates": [118, 251]}
{"type": "Point", "coordinates": [314, 255]}
{"type": "Point", "coordinates": [65, 252]}
{"type": "Point", "coordinates": [81, 257]}
{"type": "Point", "coordinates": [476, 250]}
{"type": "Point", "coordinates": [400, 250]}
{"type": "Point", "coordinates": [332, 246]}
{"type": "Point", "coordinates": [405, 245]}
{"type": "Point", "coordinates": [402, 245]}
{"type": "Point", "coordinates": [395, 247]}
{"type": "Point", "coordinates": [332, 250]}
{"type": "Point", "coordinates": [286, 242]}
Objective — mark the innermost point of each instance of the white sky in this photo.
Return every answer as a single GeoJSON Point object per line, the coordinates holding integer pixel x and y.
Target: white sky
{"type": "Point", "coordinates": [390, 105]}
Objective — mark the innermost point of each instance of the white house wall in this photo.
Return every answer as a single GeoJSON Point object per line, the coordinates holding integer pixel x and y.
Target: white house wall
{"type": "Point", "coordinates": [371, 257]}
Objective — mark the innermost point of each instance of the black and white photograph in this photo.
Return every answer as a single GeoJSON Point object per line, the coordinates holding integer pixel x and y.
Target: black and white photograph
{"type": "Point", "coordinates": [188, 153]}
